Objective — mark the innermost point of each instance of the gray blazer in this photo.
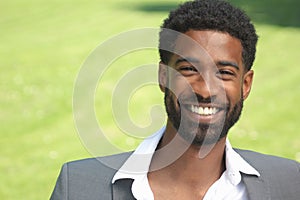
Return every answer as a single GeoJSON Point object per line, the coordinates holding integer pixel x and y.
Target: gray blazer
{"type": "Point", "coordinates": [89, 179]}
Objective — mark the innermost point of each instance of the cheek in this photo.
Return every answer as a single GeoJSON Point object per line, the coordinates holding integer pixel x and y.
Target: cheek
{"type": "Point", "coordinates": [179, 85]}
{"type": "Point", "coordinates": [234, 92]}
{"type": "Point", "coordinates": [171, 101]}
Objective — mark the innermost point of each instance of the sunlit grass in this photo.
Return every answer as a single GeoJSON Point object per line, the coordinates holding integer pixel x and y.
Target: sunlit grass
{"type": "Point", "coordinates": [43, 45]}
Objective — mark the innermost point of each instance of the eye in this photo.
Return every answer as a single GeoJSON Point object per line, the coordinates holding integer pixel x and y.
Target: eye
{"type": "Point", "coordinates": [225, 74]}
{"type": "Point", "coordinates": [188, 68]}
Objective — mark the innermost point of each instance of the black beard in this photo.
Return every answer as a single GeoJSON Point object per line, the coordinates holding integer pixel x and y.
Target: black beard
{"type": "Point", "coordinates": [196, 133]}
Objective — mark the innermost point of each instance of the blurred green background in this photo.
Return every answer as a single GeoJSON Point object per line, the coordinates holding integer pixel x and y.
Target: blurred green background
{"type": "Point", "coordinates": [44, 43]}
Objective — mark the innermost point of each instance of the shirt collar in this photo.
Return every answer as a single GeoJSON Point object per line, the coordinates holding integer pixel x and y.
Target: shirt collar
{"type": "Point", "coordinates": [137, 165]}
{"type": "Point", "coordinates": [235, 165]}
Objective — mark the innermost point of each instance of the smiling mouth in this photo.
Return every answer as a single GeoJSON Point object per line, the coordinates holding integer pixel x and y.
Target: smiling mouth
{"type": "Point", "coordinates": [204, 111]}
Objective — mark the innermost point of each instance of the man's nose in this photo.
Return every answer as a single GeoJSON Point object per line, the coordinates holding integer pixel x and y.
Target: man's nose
{"type": "Point", "coordinates": [206, 85]}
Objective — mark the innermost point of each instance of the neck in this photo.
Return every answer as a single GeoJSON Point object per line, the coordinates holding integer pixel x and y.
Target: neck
{"type": "Point", "coordinates": [183, 162]}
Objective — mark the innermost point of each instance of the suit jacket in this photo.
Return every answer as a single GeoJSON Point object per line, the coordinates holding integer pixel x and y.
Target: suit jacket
{"type": "Point", "coordinates": [90, 179]}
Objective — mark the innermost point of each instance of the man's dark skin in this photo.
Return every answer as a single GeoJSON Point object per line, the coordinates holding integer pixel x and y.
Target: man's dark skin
{"type": "Point", "coordinates": [189, 177]}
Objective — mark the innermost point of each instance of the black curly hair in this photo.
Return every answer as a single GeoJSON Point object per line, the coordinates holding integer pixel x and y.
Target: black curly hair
{"type": "Point", "coordinates": [209, 15]}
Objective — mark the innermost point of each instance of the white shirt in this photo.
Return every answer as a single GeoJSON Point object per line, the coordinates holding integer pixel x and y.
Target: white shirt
{"type": "Point", "coordinates": [228, 187]}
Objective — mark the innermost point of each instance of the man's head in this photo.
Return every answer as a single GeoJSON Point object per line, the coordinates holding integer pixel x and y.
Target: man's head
{"type": "Point", "coordinates": [205, 82]}
{"type": "Point", "coordinates": [211, 15]}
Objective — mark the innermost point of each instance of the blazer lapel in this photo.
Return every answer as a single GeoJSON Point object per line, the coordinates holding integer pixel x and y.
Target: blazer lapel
{"type": "Point", "coordinates": [256, 187]}
{"type": "Point", "coordinates": [121, 190]}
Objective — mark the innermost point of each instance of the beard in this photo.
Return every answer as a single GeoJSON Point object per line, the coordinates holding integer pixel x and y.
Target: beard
{"type": "Point", "coordinates": [196, 133]}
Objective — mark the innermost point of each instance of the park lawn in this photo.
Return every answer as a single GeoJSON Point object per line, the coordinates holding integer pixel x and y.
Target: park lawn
{"type": "Point", "coordinates": [43, 45]}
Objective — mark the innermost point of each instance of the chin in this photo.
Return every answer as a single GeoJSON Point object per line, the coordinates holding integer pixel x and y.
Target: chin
{"type": "Point", "coordinates": [207, 135]}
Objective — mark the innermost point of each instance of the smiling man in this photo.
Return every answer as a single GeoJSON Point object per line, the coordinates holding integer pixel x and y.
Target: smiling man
{"type": "Point", "coordinates": [207, 48]}
{"type": "Point", "coordinates": [216, 77]}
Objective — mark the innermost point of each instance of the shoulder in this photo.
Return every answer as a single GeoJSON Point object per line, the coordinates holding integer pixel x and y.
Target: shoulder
{"type": "Point", "coordinates": [112, 161]}
{"type": "Point", "coordinates": [88, 178]}
{"type": "Point", "coordinates": [260, 158]}
{"type": "Point", "coordinates": [279, 177]}
{"type": "Point", "coordinates": [270, 164]}
{"type": "Point", "coordinates": [96, 165]}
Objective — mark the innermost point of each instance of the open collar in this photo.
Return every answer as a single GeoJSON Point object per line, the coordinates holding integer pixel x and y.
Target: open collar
{"type": "Point", "coordinates": [137, 166]}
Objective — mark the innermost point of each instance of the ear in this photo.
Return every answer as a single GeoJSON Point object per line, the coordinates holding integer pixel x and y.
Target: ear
{"type": "Point", "coordinates": [162, 76]}
{"type": "Point", "coordinates": [247, 83]}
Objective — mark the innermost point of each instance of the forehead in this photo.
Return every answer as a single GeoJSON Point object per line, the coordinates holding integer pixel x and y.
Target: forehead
{"type": "Point", "coordinates": [207, 45]}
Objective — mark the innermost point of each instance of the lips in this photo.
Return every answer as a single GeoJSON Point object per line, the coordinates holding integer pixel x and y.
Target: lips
{"type": "Point", "coordinates": [203, 110]}
{"type": "Point", "coordinates": [205, 114]}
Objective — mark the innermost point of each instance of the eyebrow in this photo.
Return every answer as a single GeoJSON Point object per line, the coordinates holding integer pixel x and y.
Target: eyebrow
{"type": "Point", "coordinates": [219, 63]}
{"type": "Point", "coordinates": [228, 63]}
{"type": "Point", "coordinates": [188, 59]}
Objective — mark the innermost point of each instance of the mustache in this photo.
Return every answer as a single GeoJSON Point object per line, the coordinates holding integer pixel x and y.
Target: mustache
{"type": "Point", "coordinates": [195, 98]}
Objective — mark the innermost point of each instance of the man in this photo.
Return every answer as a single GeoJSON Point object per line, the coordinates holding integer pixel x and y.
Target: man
{"type": "Point", "coordinates": [207, 48]}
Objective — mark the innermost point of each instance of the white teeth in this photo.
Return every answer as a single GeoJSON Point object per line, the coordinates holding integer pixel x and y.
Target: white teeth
{"type": "Point", "coordinates": [207, 111]}
{"type": "Point", "coordinates": [201, 110]}
{"type": "Point", "coordinates": [204, 110]}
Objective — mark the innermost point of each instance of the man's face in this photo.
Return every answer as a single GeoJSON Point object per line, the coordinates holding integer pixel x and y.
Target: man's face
{"type": "Point", "coordinates": [205, 86]}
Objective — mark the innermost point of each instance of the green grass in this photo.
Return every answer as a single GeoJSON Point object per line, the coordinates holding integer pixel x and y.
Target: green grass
{"type": "Point", "coordinates": [43, 45]}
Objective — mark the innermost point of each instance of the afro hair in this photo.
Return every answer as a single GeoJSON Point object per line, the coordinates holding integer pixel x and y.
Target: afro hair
{"type": "Point", "coordinates": [214, 15]}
